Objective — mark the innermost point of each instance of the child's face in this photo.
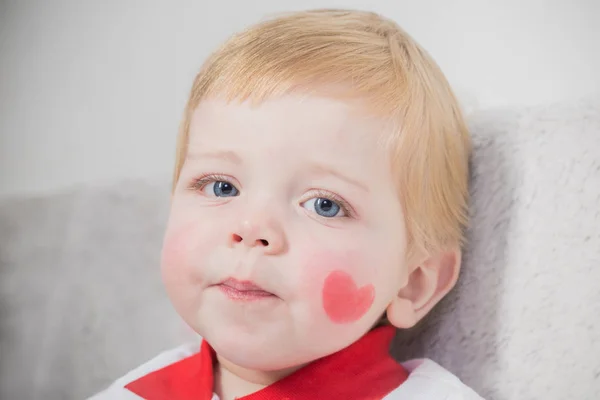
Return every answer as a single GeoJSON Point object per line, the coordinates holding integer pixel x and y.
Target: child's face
{"type": "Point", "coordinates": [296, 196]}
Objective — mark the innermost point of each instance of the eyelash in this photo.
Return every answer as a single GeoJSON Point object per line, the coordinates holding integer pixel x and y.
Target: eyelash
{"type": "Point", "coordinates": [202, 181]}
{"type": "Point", "coordinates": [199, 183]}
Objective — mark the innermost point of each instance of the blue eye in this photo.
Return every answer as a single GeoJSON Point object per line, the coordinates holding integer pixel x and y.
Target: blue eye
{"type": "Point", "coordinates": [324, 207]}
{"type": "Point", "coordinates": [220, 189]}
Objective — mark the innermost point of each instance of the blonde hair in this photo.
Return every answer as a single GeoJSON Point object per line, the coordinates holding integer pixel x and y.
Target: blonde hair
{"type": "Point", "coordinates": [375, 61]}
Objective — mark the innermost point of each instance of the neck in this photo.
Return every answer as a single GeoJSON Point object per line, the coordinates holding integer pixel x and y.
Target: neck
{"type": "Point", "coordinates": [232, 381]}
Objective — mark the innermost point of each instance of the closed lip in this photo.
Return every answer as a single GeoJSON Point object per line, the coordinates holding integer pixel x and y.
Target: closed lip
{"type": "Point", "coordinates": [243, 290]}
{"type": "Point", "coordinates": [242, 286]}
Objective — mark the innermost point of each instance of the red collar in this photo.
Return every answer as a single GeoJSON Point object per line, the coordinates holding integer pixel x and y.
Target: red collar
{"type": "Point", "coordinates": [363, 370]}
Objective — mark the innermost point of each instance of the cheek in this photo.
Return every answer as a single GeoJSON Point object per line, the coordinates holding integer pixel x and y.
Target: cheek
{"type": "Point", "coordinates": [175, 260]}
{"type": "Point", "coordinates": [184, 253]}
{"type": "Point", "coordinates": [343, 300]}
{"type": "Point", "coordinates": [174, 247]}
{"type": "Point", "coordinates": [340, 283]}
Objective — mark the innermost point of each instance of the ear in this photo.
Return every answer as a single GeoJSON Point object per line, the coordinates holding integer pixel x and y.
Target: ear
{"type": "Point", "coordinates": [428, 282]}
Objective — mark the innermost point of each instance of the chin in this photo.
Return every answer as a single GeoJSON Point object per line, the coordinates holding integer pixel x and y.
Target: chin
{"type": "Point", "coordinates": [257, 361]}
{"type": "Point", "coordinates": [257, 350]}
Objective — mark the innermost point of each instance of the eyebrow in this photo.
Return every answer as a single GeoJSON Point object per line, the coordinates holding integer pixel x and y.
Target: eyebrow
{"type": "Point", "coordinates": [328, 170]}
{"type": "Point", "coordinates": [225, 155]}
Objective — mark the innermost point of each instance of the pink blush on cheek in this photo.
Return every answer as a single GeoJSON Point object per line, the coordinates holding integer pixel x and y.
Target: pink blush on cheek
{"type": "Point", "coordinates": [178, 249]}
{"type": "Point", "coordinates": [174, 248]}
{"type": "Point", "coordinates": [343, 301]}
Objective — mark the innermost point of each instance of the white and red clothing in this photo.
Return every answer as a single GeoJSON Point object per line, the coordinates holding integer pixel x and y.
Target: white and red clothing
{"type": "Point", "coordinates": [362, 371]}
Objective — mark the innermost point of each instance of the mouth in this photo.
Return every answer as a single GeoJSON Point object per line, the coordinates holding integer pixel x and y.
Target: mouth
{"type": "Point", "coordinates": [244, 290]}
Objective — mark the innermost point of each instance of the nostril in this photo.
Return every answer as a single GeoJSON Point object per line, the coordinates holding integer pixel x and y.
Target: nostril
{"type": "Point", "coordinates": [237, 238]}
{"type": "Point", "coordinates": [264, 242]}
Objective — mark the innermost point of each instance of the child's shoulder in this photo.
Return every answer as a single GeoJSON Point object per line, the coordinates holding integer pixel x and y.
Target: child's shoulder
{"type": "Point", "coordinates": [117, 391]}
{"type": "Point", "coordinates": [428, 380]}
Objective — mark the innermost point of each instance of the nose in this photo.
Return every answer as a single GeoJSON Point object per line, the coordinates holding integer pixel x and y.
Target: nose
{"type": "Point", "coordinates": [259, 232]}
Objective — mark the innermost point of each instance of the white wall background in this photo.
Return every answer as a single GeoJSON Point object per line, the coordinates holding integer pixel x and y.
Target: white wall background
{"type": "Point", "coordinates": [92, 91]}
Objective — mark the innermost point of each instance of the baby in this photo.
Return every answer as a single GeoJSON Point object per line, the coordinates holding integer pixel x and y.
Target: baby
{"type": "Point", "coordinates": [319, 203]}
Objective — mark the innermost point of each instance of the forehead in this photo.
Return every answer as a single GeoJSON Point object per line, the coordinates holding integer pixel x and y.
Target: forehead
{"type": "Point", "coordinates": [291, 122]}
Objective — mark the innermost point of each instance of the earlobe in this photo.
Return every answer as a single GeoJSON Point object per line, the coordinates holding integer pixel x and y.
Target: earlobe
{"type": "Point", "coordinates": [401, 313]}
{"type": "Point", "coordinates": [428, 282]}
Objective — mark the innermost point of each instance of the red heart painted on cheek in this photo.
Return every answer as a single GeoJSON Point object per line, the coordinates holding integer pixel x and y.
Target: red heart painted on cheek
{"type": "Point", "coordinates": [343, 301]}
